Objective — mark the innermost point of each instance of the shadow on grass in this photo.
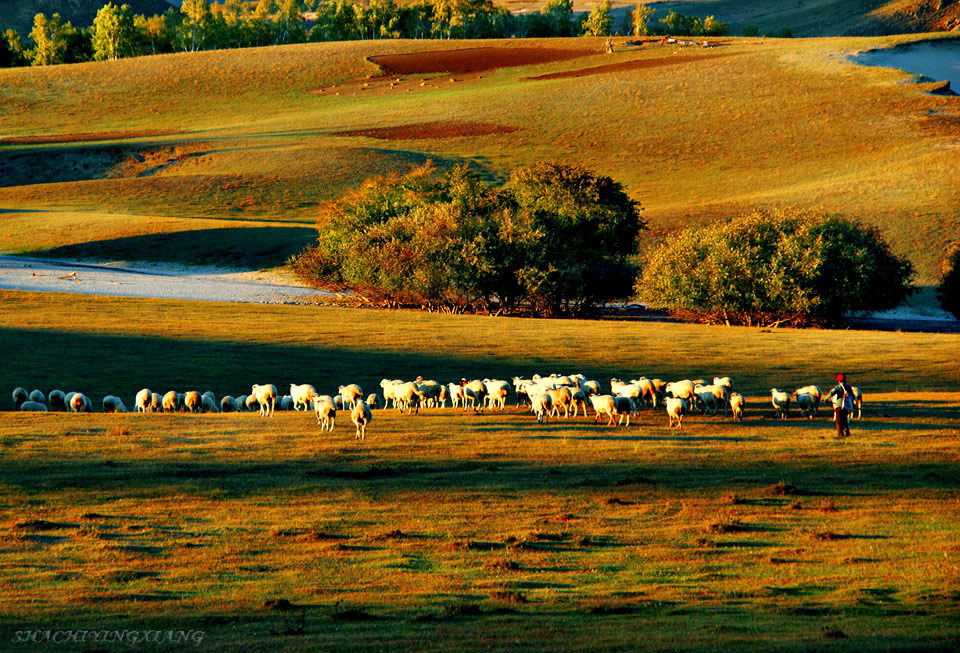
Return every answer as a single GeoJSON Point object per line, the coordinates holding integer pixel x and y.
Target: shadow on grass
{"type": "Point", "coordinates": [243, 247]}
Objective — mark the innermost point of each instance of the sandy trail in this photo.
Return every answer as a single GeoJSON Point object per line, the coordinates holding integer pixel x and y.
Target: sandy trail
{"type": "Point", "coordinates": [154, 280]}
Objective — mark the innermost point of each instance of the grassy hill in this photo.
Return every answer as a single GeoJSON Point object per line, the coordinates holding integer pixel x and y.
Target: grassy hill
{"type": "Point", "coordinates": [97, 153]}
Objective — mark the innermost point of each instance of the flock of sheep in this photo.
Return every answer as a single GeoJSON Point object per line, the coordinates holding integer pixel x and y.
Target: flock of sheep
{"type": "Point", "coordinates": [547, 396]}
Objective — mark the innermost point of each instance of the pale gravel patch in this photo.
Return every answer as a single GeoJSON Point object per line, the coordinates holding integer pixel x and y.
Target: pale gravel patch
{"type": "Point", "coordinates": [157, 280]}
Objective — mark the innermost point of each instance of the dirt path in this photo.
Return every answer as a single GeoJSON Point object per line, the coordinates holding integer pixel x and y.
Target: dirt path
{"type": "Point", "coordinates": [154, 280]}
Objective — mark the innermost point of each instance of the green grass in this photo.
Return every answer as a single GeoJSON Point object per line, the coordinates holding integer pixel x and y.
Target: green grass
{"type": "Point", "coordinates": [463, 531]}
{"type": "Point", "coordinates": [244, 136]}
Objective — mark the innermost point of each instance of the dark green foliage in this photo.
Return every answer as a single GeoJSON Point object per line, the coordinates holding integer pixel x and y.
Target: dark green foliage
{"type": "Point", "coordinates": [555, 241]}
{"type": "Point", "coordinates": [948, 291]}
{"type": "Point", "coordinates": [777, 267]}
{"type": "Point", "coordinates": [680, 25]}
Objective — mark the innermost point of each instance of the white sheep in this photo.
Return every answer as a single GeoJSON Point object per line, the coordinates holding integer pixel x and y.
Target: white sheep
{"type": "Point", "coordinates": [736, 406]}
{"type": "Point", "coordinates": [208, 402]}
{"type": "Point", "coordinates": [326, 412]}
{"type": "Point", "coordinates": [805, 405]}
{"type": "Point", "coordinates": [57, 400]}
{"type": "Point", "coordinates": [20, 395]}
{"type": "Point", "coordinates": [561, 397]}
{"type": "Point", "coordinates": [251, 403]}
{"type": "Point", "coordinates": [578, 399]}
{"type": "Point", "coordinates": [631, 390]}
{"type": "Point", "coordinates": [455, 390]}
{"type": "Point", "coordinates": [112, 404]}
{"type": "Point", "coordinates": [520, 387]}
{"type": "Point", "coordinates": [497, 391]}
{"type": "Point", "coordinates": [350, 394]}
{"type": "Point", "coordinates": [169, 402]}
{"type": "Point", "coordinates": [624, 407]}
{"type": "Point", "coordinates": [361, 416]}
{"type": "Point", "coordinates": [781, 403]}
{"type": "Point", "coordinates": [541, 405]}
{"type": "Point", "coordinates": [857, 399]}
{"type": "Point", "coordinates": [718, 395]}
{"type": "Point", "coordinates": [648, 394]}
{"type": "Point", "coordinates": [815, 395]}
{"type": "Point", "coordinates": [430, 391]}
{"type": "Point", "coordinates": [302, 395]}
{"type": "Point", "coordinates": [604, 405]}
{"type": "Point", "coordinates": [387, 385]}
{"type": "Point", "coordinates": [373, 400]}
{"type": "Point", "coordinates": [474, 393]}
{"type": "Point", "coordinates": [708, 400]}
{"type": "Point", "coordinates": [228, 404]}
{"type": "Point", "coordinates": [192, 401]}
{"type": "Point", "coordinates": [80, 403]}
{"type": "Point", "coordinates": [143, 401]}
{"type": "Point", "coordinates": [32, 407]}
{"type": "Point", "coordinates": [38, 397]}
{"type": "Point", "coordinates": [681, 389]}
{"type": "Point", "coordinates": [266, 396]}
{"type": "Point", "coordinates": [286, 402]}
{"type": "Point", "coordinates": [675, 408]}
{"type": "Point", "coordinates": [242, 403]}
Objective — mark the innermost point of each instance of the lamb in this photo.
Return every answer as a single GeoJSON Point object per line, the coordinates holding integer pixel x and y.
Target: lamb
{"type": "Point", "coordinates": [781, 403]}
{"type": "Point", "coordinates": [604, 405]}
{"type": "Point", "coordinates": [32, 407]}
{"type": "Point", "coordinates": [57, 400]}
{"type": "Point", "coordinates": [351, 394]}
{"type": "Point", "coordinates": [541, 405]}
{"type": "Point", "coordinates": [20, 395]}
{"type": "Point", "coordinates": [326, 412]}
{"type": "Point", "coordinates": [38, 397]}
{"type": "Point", "coordinates": [143, 400]}
{"type": "Point", "coordinates": [228, 404]}
{"type": "Point", "coordinates": [266, 396]}
{"type": "Point", "coordinates": [80, 403]}
{"type": "Point", "coordinates": [170, 402]}
{"type": "Point", "coordinates": [193, 401]}
{"type": "Point", "coordinates": [361, 416]}
{"type": "Point", "coordinates": [675, 407]}
{"type": "Point", "coordinates": [208, 402]}
{"type": "Point", "coordinates": [805, 405]}
{"type": "Point", "coordinates": [815, 395]}
{"type": "Point", "coordinates": [302, 395]}
{"type": "Point", "coordinates": [736, 406]}
{"type": "Point", "coordinates": [112, 404]}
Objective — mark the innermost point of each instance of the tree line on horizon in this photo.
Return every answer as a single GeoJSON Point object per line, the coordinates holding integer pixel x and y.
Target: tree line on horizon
{"type": "Point", "coordinates": [118, 33]}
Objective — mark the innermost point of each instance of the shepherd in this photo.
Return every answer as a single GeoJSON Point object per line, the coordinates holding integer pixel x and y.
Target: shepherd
{"type": "Point", "coordinates": [842, 396]}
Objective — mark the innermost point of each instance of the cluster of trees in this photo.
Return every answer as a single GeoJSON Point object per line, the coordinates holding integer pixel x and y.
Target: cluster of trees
{"type": "Point", "coordinates": [775, 267]}
{"type": "Point", "coordinates": [556, 240]}
{"type": "Point", "coordinates": [199, 25]}
{"type": "Point", "coordinates": [948, 290]}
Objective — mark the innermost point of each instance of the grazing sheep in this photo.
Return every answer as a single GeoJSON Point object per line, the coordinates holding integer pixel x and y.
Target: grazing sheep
{"type": "Point", "coordinates": [474, 393]}
{"type": "Point", "coordinates": [373, 400]}
{"type": "Point", "coordinates": [80, 403]}
{"type": "Point", "coordinates": [815, 395]}
{"type": "Point", "coordinates": [170, 402]}
{"type": "Point", "coordinates": [192, 401]}
{"type": "Point", "coordinates": [675, 407]}
{"type": "Point", "coordinates": [455, 390]}
{"type": "Point", "coordinates": [624, 406]}
{"type": "Point", "coordinates": [857, 399]}
{"type": "Point", "coordinates": [326, 412]}
{"type": "Point", "coordinates": [57, 400]}
{"type": "Point", "coordinates": [112, 404]}
{"type": "Point", "coordinates": [561, 398]}
{"type": "Point", "coordinates": [717, 397]}
{"type": "Point", "coordinates": [497, 391]}
{"type": "Point", "coordinates": [631, 390]}
{"type": "Point", "coordinates": [781, 403]}
{"type": "Point", "coordinates": [648, 394]}
{"type": "Point", "coordinates": [542, 405]}
{"type": "Point", "coordinates": [156, 402]}
{"type": "Point", "coordinates": [338, 402]}
{"type": "Point", "coordinates": [251, 403]}
{"type": "Point", "coordinates": [578, 399]}
{"type": "Point", "coordinates": [604, 405]}
{"type": "Point", "coordinates": [736, 406]}
{"type": "Point", "coordinates": [228, 404]}
{"type": "Point", "coordinates": [20, 395]}
{"type": "Point", "coordinates": [143, 400]}
{"type": "Point", "coordinates": [805, 405]}
{"type": "Point", "coordinates": [520, 387]}
{"type": "Point", "coordinates": [286, 402]}
{"type": "Point", "coordinates": [242, 402]}
{"type": "Point", "coordinates": [38, 397]}
{"type": "Point", "coordinates": [590, 388]}
{"type": "Point", "coordinates": [266, 396]}
{"type": "Point", "coordinates": [208, 402]}
{"type": "Point", "coordinates": [32, 407]}
{"type": "Point", "coordinates": [351, 394]}
{"type": "Point", "coordinates": [361, 416]}
{"type": "Point", "coordinates": [708, 400]}
{"type": "Point", "coordinates": [681, 390]}
{"type": "Point", "coordinates": [430, 391]}
{"type": "Point", "coordinates": [302, 395]}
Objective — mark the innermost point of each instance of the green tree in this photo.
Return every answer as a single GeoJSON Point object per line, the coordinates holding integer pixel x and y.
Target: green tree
{"type": "Point", "coordinates": [49, 41]}
{"type": "Point", "coordinates": [194, 32]}
{"type": "Point", "coordinates": [114, 34]}
{"type": "Point", "coordinates": [11, 50]}
{"type": "Point", "coordinates": [776, 267]}
{"type": "Point", "coordinates": [714, 27]}
{"type": "Point", "coordinates": [948, 290]}
{"type": "Point", "coordinates": [288, 23]}
{"type": "Point", "coordinates": [599, 22]}
{"type": "Point", "coordinates": [559, 17]}
{"type": "Point", "coordinates": [640, 20]}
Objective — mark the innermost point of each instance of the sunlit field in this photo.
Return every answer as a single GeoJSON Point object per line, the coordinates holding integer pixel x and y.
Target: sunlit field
{"type": "Point", "coordinates": [452, 530]}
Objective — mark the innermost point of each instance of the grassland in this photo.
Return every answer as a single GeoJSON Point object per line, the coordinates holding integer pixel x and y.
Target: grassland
{"type": "Point", "coordinates": [447, 530]}
{"type": "Point", "coordinates": [251, 139]}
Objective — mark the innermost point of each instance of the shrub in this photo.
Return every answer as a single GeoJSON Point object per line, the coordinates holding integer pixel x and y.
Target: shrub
{"type": "Point", "coordinates": [555, 241]}
{"type": "Point", "coordinates": [776, 267]}
{"type": "Point", "coordinates": [948, 290]}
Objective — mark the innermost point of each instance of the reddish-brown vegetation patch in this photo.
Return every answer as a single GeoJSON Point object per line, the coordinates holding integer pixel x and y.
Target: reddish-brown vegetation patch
{"type": "Point", "coordinates": [471, 60]}
{"type": "Point", "coordinates": [74, 138]}
{"type": "Point", "coordinates": [436, 129]}
{"type": "Point", "coordinates": [638, 64]}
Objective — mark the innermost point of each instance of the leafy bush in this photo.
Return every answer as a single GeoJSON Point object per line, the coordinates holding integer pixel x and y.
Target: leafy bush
{"type": "Point", "coordinates": [948, 291]}
{"type": "Point", "coordinates": [776, 267]}
{"type": "Point", "coordinates": [555, 241]}
{"type": "Point", "coordinates": [680, 25]}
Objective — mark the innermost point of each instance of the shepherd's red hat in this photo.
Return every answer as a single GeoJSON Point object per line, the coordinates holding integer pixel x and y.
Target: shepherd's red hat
{"type": "Point", "coordinates": [841, 377]}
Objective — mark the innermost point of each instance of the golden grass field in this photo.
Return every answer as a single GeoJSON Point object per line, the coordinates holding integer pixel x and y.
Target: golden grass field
{"type": "Point", "coordinates": [449, 530]}
{"type": "Point", "coordinates": [250, 138]}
